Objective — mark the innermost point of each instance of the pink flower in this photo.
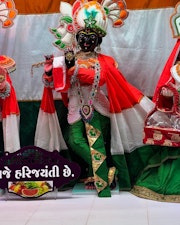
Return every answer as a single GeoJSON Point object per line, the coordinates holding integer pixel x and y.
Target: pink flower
{"type": "Point", "coordinates": [70, 28]}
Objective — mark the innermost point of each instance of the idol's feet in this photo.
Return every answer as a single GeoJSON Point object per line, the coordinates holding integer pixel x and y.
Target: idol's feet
{"type": "Point", "coordinates": [113, 184]}
{"type": "Point", "coordinates": [89, 183]}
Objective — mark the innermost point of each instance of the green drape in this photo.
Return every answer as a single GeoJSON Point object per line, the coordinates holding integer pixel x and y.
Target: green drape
{"type": "Point", "coordinates": [151, 172]}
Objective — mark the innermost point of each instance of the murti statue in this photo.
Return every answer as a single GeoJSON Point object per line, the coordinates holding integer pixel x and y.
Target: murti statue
{"type": "Point", "coordinates": [102, 126]}
{"type": "Point", "coordinates": [170, 76]}
{"type": "Point", "coordinates": [9, 109]}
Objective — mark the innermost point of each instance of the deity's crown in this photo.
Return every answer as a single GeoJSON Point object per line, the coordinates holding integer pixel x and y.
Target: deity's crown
{"type": "Point", "coordinates": [85, 14]}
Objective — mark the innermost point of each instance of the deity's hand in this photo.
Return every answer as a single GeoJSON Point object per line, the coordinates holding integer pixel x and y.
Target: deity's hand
{"type": "Point", "coordinates": [84, 75]}
{"type": "Point", "coordinates": [87, 76]}
{"type": "Point", "coordinates": [48, 66]}
{"type": "Point", "coordinates": [87, 63]}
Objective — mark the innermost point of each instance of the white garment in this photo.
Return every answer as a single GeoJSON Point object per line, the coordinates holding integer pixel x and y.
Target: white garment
{"type": "Point", "coordinates": [100, 103]}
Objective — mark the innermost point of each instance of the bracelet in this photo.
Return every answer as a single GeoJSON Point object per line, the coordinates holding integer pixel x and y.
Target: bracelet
{"type": "Point", "coordinates": [46, 82]}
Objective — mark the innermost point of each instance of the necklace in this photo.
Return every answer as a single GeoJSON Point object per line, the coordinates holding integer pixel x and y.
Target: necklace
{"type": "Point", "coordinates": [86, 109]}
{"type": "Point", "coordinates": [86, 55]}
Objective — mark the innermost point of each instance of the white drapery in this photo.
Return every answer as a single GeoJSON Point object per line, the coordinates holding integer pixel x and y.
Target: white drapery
{"type": "Point", "coordinates": [141, 48]}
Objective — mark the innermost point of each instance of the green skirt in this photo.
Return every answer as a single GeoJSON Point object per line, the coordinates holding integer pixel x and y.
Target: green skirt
{"type": "Point", "coordinates": [90, 141]}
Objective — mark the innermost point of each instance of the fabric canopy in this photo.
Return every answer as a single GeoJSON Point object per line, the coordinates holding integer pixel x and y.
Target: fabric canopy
{"type": "Point", "coordinates": [49, 6]}
{"type": "Point", "coordinates": [141, 47]}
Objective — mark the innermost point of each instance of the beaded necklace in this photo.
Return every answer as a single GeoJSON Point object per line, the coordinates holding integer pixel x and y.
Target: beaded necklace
{"type": "Point", "coordinates": [86, 109]}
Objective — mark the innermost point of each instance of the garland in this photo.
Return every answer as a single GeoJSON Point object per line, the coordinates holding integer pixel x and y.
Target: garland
{"type": "Point", "coordinates": [86, 109]}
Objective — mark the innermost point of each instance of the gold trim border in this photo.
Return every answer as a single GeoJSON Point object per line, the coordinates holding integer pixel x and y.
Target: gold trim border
{"type": "Point", "coordinates": [146, 193]}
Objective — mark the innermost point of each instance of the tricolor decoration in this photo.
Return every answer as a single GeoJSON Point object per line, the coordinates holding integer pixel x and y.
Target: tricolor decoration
{"type": "Point", "coordinates": [48, 133]}
{"type": "Point", "coordinates": [7, 63]}
{"type": "Point", "coordinates": [65, 30]}
{"type": "Point", "coordinates": [9, 109]}
{"type": "Point", "coordinates": [87, 14]}
{"type": "Point", "coordinates": [116, 11]}
{"type": "Point", "coordinates": [7, 13]}
{"type": "Point", "coordinates": [175, 21]}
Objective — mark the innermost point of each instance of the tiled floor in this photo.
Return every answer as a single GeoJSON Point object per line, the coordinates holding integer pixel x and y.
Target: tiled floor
{"type": "Point", "coordinates": [68, 208]}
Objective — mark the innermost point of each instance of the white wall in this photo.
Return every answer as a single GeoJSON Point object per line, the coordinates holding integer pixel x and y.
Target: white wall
{"type": "Point", "coordinates": [141, 48]}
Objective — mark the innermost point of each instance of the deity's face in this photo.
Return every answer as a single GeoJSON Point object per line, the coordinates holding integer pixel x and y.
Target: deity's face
{"type": "Point", "coordinates": [88, 40]}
